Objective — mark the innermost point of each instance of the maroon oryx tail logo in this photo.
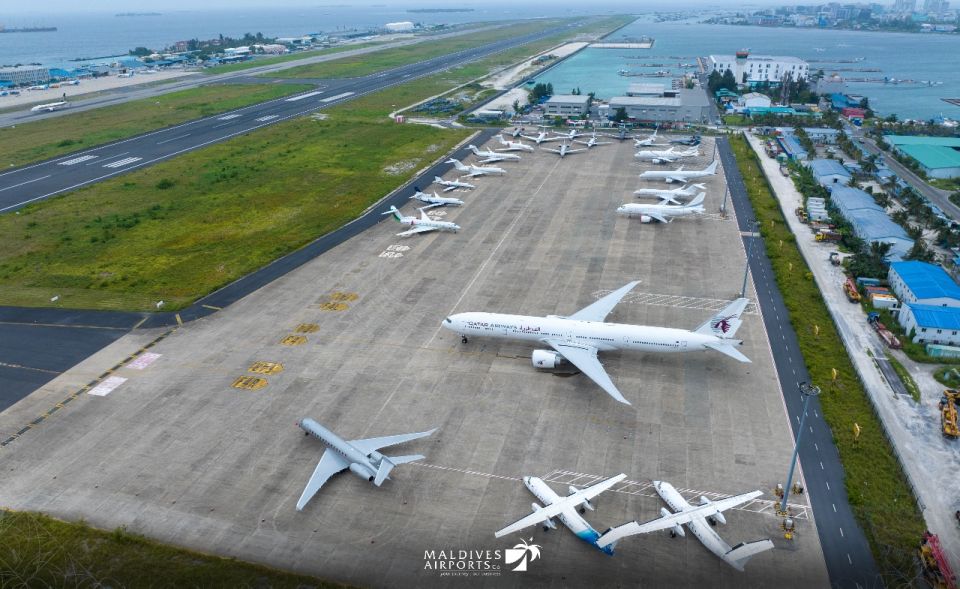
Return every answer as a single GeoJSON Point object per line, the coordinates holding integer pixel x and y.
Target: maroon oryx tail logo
{"type": "Point", "coordinates": [723, 324]}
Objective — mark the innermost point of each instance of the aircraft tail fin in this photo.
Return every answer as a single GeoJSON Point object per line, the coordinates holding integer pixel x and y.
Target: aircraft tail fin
{"type": "Point", "coordinates": [393, 211]}
{"type": "Point", "coordinates": [697, 200]}
{"type": "Point", "coordinates": [725, 323]}
{"type": "Point", "coordinates": [741, 553]}
{"type": "Point", "coordinates": [712, 168]}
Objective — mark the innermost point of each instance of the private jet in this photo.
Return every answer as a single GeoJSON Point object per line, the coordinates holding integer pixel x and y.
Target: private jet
{"type": "Point", "coordinates": [449, 185]}
{"type": "Point", "coordinates": [671, 195]}
{"type": "Point", "coordinates": [490, 157]}
{"type": "Point", "coordinates": [542, 137]}
{"type": "Point", "coordinates": [662, 212]}
{"type": "Point", "coordinates": [664, 156]}
{"type": "Point", "coordinates": [513, 145]}
{"type": "Point", "coordinates": [564, 150]}
{"type": "Point", "coordinates": [420, 224]}
{"type": "Point", "coordinates": [472, 171]}
{"type": "Point", "coordinates": [592, 142]}
{"type": "Point", "coordinates": [434, 200]}
{"type": "Point", "coordinates": [679, 175]}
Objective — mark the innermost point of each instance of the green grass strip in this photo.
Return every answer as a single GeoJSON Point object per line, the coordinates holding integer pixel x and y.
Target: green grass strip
{"type": "Point", "coordinates": [905, 378]}
{"type": "Point", "coordinates": [875, 483]}
{"type": "Point", "coordinates": [40, 551]}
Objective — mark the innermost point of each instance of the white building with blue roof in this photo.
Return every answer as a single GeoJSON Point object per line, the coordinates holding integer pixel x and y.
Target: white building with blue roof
{"type": "Point", "coordinates": [870, 221]}
{"type": "Point", "coordinates": [920, 283]}
{"type": "Point", "coordinates": [829, 172]}
{"type": "Point", "coordinates": [930, 324]}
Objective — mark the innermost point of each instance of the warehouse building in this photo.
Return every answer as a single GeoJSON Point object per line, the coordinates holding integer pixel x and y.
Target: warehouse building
{"type": "Point", "coordinates": [939, 157]}
{"type": "Point", "coordinates": [25, 75]}
{"type": "Point", "coordinates": [753, 69]}
{"type": "Point", "coordinates": [830, 173]}
{"type": "Point", "coordinates": [683, 105]}
{"type": "Point", "coordinates": [567, 105]}
{"type": "Point", "coordinates": [791, 146]}
{"type": "Point", "coordinates": [869, 221]}
{"type": "Point", "coordinates": [931, 324]}
{"type": "Point", "coordinates": [923, 284]}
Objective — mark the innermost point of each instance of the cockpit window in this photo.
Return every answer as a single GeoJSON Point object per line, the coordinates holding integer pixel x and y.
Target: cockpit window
{"type": "Point", "coordinates": [448, 320]}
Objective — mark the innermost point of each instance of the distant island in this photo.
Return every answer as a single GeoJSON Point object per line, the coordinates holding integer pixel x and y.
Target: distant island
{"type": "Point", "coordinates": [428, 10]}
{"type": "Point", "coordinates": [138, 14]}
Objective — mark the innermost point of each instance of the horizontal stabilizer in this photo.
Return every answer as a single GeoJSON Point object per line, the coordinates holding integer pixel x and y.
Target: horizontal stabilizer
{"type": "Point", "coordinates": [398, 460]}
{"type": "Point", "coordinates": [725, 323]}
{"type": "Point", "coordinates": [741, 553]}
{"type": "Point", "coordinates": [729, 350]}
{"type": "Point", "coordinates": [385, 467]}
{"type": "Point", "coordinates": [697, 200]}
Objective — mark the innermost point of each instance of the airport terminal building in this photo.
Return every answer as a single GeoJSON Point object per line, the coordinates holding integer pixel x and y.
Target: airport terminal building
{"type": "Point", "coordinates": [683, 105]}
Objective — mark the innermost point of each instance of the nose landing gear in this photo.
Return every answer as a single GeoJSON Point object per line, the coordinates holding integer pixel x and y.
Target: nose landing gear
{"type": "Point", "coordinates": [463, 339]}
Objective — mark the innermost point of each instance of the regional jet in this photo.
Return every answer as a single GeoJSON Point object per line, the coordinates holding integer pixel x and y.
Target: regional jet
{"type": "Point", "coordinates": [679, 175]}
{"type": "Point", "coordinates": [565, 150]}
{"type": "Point", "coordinates": [449, 185]}
{"type": "Point", "coordinates": [566, 508]}
{"type": "Point", "coordinates": [360, 456]}
{"type": "Point", "coordinates": [647, 141]}
{"type": "Point", "coordinates": [661, 212]}
{"type": "Point", "coordinates": [664, 156]}
{"type": "Point", "coordinates": [50, 107]}
{"type": "Point", "coordinates": [513, 145]}
{"type": "Point", "coordinates": [592, 142]}
{"type": "Point", "coordinates": [699, 519]}
{"type": "Point", "coordinates": [434, 200]}
{"type": "Point", "coordinates": [670, 195]}
{"type": "Point", "coordinates": [420, 224]}
{"type": "Point", "coordinates": [577, 339]}
{"type": "Point", "coordinates": [491, 157]}
{"type": "Point", "coordinates": [472, 171]}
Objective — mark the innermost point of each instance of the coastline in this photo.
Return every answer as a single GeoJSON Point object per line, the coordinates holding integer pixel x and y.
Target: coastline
{"type": "Point", "coordinates": [87, 86]}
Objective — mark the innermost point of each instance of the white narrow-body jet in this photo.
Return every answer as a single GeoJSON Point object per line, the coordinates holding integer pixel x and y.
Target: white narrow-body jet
{"type": "Point", "coordinates": [621, 134]}
{"type": "Point", "coordinates": [567, 509]}
{"type": "Point", "coordinates": [361, 457]}
{"type": "Point", "coordinates": [592, 141]}
{"type": "Point", "coordinates": [512, 145]}
{"type": "Point", "coordinates": [664, 156]}
{"type": "Point", "coordinates": [420, 224]}
{"type": "Point", "coordinates": [49, 107]}
{"type": "Point", "coordinates": [564, 150]}
{"type": "Point", "coordinates": [435, 200]}
{"type": "Point", "coordinates": [661, 212]}
{"type": "Point", "coordinates": [699, 519]}
{"type": "Point", "coordinates": [671, 195]}
{"type": "Point", "coordinates": [490, 157]}
{"type": "Point", "coordinates": [449, 185]}
{"type": "Point", "coordinates": [577, 339]}
{"type": "Point", "coordinates": [679, 175]}
{"type": "Point", "coordinates": [472, 171]}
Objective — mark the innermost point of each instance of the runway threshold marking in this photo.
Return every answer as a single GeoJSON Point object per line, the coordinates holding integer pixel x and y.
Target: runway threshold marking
{"type": "Point", "coordinates": [90, 385]}
{"type": "Point", "coordinates": [266, 118]}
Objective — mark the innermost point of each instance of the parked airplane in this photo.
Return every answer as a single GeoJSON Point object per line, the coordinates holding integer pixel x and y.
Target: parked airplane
{"type": "Point", "coordinates": [451, 184]}
{"type": "Point", "coordinates": [569, 135]}
{"type": "Point", "coordinates": [576, 339]}
{"type": "Point", "coordinates": [661, 212]}
{"type": "Point", "coordinates": [621, 134]}
{"type": "Point", "coordinates": [492, 156]}
{"type": "Point", "coordinates": [565, 150]}
{"type": "Point", "coordinates": [688, 140]}
{"type": "Point", "coordinates": [565, 508]}
{"type": "Point", "coordinates": [421, 224]}
{"type": "Point", "coordinates": [648, 141]}
{"type": "Point", "coordinates": [472, 171]}
{"type": "Point", "coordinates": [517, 132]}
{"type": "Point", "coordinates": [49, 107]}
{"type": "Point", "coordinates": [670, 195]}
{"type": "Point", "coordinates": [592, 142]}
{"type": "Point", "coordinates": [664, 156]}
{"type": "Point", "coordinates": [699, 520]}
{"type": "Point", "coordinates": [542, 137]}
{"type": "Point", "coordinates": [434, 200]}
{"type": "Point", "coordinates": [361, 457]}
{"type": "Point", "coordinates": [513, 145]}
{"type": "Point", "coordinates": [679, 175]}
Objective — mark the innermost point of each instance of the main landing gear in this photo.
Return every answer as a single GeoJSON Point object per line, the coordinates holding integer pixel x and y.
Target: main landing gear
{"type": "Point", "coordinates": [463, 339]}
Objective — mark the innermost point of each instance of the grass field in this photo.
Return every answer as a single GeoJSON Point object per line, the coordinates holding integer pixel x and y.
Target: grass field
{"type": "Point", "coordinates": [39, 140]}
{"type": "Point", "coordinates": [905, 378]}
{"type": "Point", "coordinates": [876, 486]}
{"type": "Point", "coordinates": [245, 65]}
{"type": "Point", "coordinates": [39, 551]}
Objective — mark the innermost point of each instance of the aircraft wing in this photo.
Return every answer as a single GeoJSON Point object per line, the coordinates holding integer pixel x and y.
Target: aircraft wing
{"type": "Point", "coordinates": [416, 229]}
{"type": "Point", "coordinates": [370, 444]}
{"type": "Point", "coordinates": [681, 517]}
{"type": "Point", "coordinates": [576, 150]}
{"type": "Point", "coordinates": [491, 160]}
{"type": "Point", "coordinates": [330, 464]}
{"type": "Point", "coordinates": [545, 513]}
{"type": "Point", "coordinates": [585, 358]}
{"type": "Point", "coordinates": [677, 178]}
{"type": "Point", "coordinates": [553, 150]}
{"type": "Point", "coordinates": [449, 188]}
{"type": "Point", "coordinates": [599, 310]}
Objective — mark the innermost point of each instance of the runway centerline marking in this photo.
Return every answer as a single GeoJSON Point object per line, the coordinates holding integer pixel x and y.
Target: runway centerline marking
{"type": "Point", "coordinates": [27, 182]}
{"type": "Point", "coordinates": [173, 139]}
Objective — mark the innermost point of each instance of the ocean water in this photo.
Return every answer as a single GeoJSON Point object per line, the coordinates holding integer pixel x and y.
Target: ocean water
{"type": "Point", "coordinates": [899, 55]}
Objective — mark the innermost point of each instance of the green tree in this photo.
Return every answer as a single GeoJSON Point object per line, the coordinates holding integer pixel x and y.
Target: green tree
{"type": "Point", "coordinates": [620, 115]}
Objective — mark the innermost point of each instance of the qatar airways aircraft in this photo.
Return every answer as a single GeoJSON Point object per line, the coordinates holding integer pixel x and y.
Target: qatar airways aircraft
{"type": "Point", "coordinates": [565, 508]}
{"type": "Point", "coordinates": [579, 337]}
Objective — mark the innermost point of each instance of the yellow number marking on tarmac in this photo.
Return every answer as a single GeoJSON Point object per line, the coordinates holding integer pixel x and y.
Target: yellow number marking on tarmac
{"type": "Point", "coordinates": [249, 383]}
{"type": "Point", "coordinates": [343, 296]}
{"type": "Point", "coordinates": [331, 306]}
{"type": "Point", "coordinates": [266, 368]}
{"type": "Point", "coordinates": [294, 340]}
{"type": "Point", "coordinates": [307, 328]}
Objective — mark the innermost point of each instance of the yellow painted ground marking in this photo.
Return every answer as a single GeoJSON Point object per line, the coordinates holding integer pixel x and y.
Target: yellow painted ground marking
{"type": "Point", "coordinates": [250, 383]}
{"type": "Point", "coordinates": [333, 306]}
{"type": "Point", "coordinates": [344, 296]}
{"type": "Point", "coordinates": [212, 308]}
{"type": "Point", "coordinates": [179, 320]}
{"type": "Point", "coordinates": [266, 367]}
{"type": "Point", "coordinates": [294, 340]}
{"type": "Point", "coordinates": [307, 328]}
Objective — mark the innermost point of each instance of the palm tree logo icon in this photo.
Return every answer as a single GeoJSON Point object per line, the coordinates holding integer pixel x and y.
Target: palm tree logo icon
{"type": "Point", "coordinates": [522, 554]}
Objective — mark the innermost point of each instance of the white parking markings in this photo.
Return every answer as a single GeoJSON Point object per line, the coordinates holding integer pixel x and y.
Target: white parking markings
{"type": "Point", "coordinates": [123, 162]}
{"type": "Point", "coordinates": [227, 117]}
{"type": "Point", "coordinates": [77, 160]}
{"type": "Point", "coordinates": [266, 118]}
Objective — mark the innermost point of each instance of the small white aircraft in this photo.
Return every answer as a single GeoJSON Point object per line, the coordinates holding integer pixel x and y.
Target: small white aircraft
{"type": "Point", "coordinates": [699, 519]}
{"type": "Point", "coordinates": [592, 142]}
{"type": "Point", "coordinates": [569, 135]}
{"type": "Point", "coordinates": [436, 201]}
{"type": "Point", "coordinates": [49, 107]}
{"type": "Point", "coordinates": [565, 150]}
{"type": "Point", "coordinates": [670, 195]}
{"type": "Point", "coordinates": [664, 156]}
{"type": "Point", "coordinates": [449, 185]}
{"type": "Point", "coordinates": [648, 141]}
{"type": "Point", "coordinates": [420, 224]}
{"type": "Point", "coordinates": [542, 137]}
{"type": "Point", "coordinates": [513, 145]}
{"type": "Point", "coordinates": [473, 171]}
{"type": "Point", "coordinates": [577, 339]}
{"type": "Point", "coordinates": [565, 508]}
{"type": "Point", "coordinates": [661, 212]}
{"type": "Point", "coordinates": [679, 175]}
{"type": "Point", "coordinates": [490, 157]}
{"type": "Point", "coordinates": [621, 134]}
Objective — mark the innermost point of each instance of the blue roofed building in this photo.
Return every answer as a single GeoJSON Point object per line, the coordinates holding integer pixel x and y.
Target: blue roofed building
{"type": "Point", "coordinates": [869, 220]}
{"type": "Point", "coordinates": [791, 146]}
{"type": "Point", "coordinates": [931, 324]}
{"type": "Point", "coordinates": [829, 173]}
{"type": "Point", "coordinates": [923, 284]}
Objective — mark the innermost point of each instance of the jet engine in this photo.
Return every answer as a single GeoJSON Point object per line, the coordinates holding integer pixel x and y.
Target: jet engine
{"type": "Point", "coordinates": [715, 518]}
{"type": "Point", "coordinates": [547, 359]}
{"type": "Point", "coordinates": [585, 505]}
{"type": "Point", "coordinates": [548, 524]}
{"type": "Point", "coordinates": [646, 219]}
{"type": "Point", "coordinates": [677, 529]}
{"type": "Point", "coordinates": [361, 471]}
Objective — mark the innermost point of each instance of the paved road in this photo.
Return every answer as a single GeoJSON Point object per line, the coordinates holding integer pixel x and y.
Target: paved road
{"type": "Point", "coordinates": [36, 182]}
{"type": "Point", "coordinates": [845, 548]}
